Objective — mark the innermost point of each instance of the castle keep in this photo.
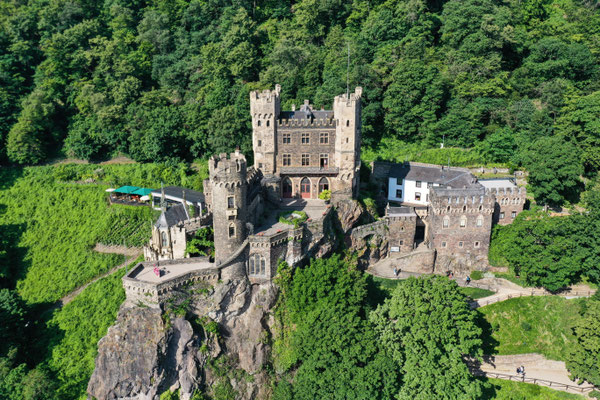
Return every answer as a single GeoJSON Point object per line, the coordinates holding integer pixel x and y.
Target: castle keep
{"type": "Point", "coordinates": [270, 211]}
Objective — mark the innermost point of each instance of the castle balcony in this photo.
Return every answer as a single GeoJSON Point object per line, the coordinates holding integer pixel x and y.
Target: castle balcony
{"type": "Point", "coordinates": [308, 171]}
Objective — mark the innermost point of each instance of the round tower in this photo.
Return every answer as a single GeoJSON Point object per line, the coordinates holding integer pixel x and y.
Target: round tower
{"type": "Point", "coordinates": [229, 187]}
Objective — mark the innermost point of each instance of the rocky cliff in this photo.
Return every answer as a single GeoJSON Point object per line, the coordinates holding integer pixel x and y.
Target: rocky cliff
{"type": "Point", "coordinates": [206, 339]}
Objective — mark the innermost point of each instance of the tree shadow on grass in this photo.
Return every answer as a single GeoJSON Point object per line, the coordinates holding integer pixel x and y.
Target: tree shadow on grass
{"type": "Point", "coordinates": [490, 344]}
{"type": "Point", "coordinates": [12, 257]}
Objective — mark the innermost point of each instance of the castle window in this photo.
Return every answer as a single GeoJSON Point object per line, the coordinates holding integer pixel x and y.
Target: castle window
{"type": "Point", "coordinates": [259, 165]}
{"type": "Point", "coordinates": [480, 221]}
{"type": "Point", "coordinates": [401, 242]}
{"type": "Point", "coordinates": [446, 222]}
{"type": "Point", "coordinates": [502, 215]}
{"type": "Point", "coordinates": [463, 222]}
{"type": "Point", "coordinates": [164, 239]}
{"type": "Point", "coordinates": [324, 160]}
{"type": "Point", "coordinates": [259, 143]}
{"type": "Point", "coordinates": [465, 207]}
{"type": "Point", "coordinates": [287, 138]}
{"type": "Point", "coordinates": [305, 159]}
{"type": "Point", "coordinates": [268, 122]}
{"type": "Point", "coordinates": [230, 201]}
{"type": "Point", "coordinates": [476, 245]}
{"type": "Point", "coordinates": [417, 196]}
{"type": "Point", "coordinates": [238, 166]}
{"type": "Point", "coordinates": [263, 266]}
{"type": "Point", "coordinates": [444, 244]}
{"type": "Point", "coordinates": [324, 138]}
{"type": "Point", "coordinates": [348, 123]}
{"type": "Point", "coordinates": [251, 266]}
{"type": "Point", "coordinates": [259, 122]}
{"type": "Point", "coordinates": [448, 208]}
{"type": "Point", "coordinates": [231, 217]}
{"type": "Point", "coordinates": [429, 184]}
{"type": "Point", "coordinates": [398, 193]}
{"type": "Point", "coordinates": [513, 214]}
{"type": "Point", "coordinates": [418, 184]}
{"type": "Point", "coordinates": [480, 208]}
{"type": "Point", "coordinates": [460, 244]}
{"type": "Point", "coordinates": [231, 230]}
{"type": "Point", "coordinates": [347, 140]}
{"type": "Point", "coordinates": [305, 138]}
{"type": "Point", "coordinates": [287, 160]}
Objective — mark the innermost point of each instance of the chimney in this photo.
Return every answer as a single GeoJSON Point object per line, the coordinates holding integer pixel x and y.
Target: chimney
{"type": "Point", "coordinates": [293, 107]}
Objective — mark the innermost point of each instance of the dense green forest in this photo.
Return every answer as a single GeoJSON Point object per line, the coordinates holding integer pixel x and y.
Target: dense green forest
{"type": "Point", "coordinates": [515, 81]}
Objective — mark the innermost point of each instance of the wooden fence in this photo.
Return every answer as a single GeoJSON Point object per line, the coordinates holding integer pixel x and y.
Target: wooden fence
{"type": "Point", "coordinates": [532, 292]}
{"type": "Point", "coordinates": [535, 381]}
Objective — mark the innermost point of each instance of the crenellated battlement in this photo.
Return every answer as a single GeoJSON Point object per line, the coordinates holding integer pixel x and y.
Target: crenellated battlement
{"type": "Point", "coordinates": [308, 123]}
{"type": "Point", "coordinates": [507, 191]}
{"type": "Point", "coordinates": [348, 100]}
{"type": "Point", "coordinates": [228, 169]}
{"type": "Point", "coordinates": [266, 96]}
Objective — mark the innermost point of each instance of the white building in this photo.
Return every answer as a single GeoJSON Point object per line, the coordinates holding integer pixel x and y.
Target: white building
{"type": "Point", "coordinates": [409, 183]}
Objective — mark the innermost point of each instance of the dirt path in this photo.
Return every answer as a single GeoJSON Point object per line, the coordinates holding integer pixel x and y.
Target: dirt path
{"type": "Point", "coordinates": [538, 370]}
{"type": "Point", "coordinates": [132, 254]}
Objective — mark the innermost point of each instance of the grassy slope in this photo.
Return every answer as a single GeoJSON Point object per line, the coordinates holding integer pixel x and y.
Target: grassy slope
{"type": "Point", "coordinates": [529, 325]}
{"type": "Point", "coordinates": [76, 329]}
{"type": "Point", "coordinates": [508, 390]}
{"type": "Point", "coordinates": [53, 222]}
{"type": "Point", "coordinates": [387, 286]}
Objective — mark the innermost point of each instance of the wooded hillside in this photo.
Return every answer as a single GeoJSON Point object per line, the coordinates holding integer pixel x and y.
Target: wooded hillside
{"type": "Point", "coordinates": [169, 79]}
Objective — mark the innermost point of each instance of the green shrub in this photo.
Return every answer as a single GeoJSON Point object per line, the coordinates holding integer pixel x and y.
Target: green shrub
{"type": "Point", "coordinates": [476, 275]}
{"type": "Point", "coordinates": [293, 218]}
{"type": "Point", "coordinates": [325, 195]}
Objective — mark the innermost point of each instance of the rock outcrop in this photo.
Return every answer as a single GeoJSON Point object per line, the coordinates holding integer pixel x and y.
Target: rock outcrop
{"type": "Point", "coordinates": [219, 342]}
{"type": "Point", "coordinates": [349, 213]}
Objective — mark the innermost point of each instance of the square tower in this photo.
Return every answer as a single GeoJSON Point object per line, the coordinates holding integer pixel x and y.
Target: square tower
{"type": "Point", "coordinates": [347, 111]}
{"type": "Point", "coordinates": [264, 108]}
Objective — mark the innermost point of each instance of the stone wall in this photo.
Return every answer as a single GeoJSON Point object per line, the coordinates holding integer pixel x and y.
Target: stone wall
{"type": "Point", "coordinates": [461, 223]}
{"type": "Point", "coordinates": [402, 232]}
{"type": "Point", "coordinates": [509, 203]}
{"type": "Point", "coordinates": [421, 261]}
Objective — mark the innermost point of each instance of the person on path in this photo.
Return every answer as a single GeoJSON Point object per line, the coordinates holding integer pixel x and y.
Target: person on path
{"type": "Point", "coordinates": [468, 279]}
{"type": "Point", "coordinates": [523, 371]}
{"type": "Point", "coordinates": [395, 272]}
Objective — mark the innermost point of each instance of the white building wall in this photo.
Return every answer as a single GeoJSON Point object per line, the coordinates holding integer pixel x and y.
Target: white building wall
{"type": "Point", "coordinates": [409, 190]}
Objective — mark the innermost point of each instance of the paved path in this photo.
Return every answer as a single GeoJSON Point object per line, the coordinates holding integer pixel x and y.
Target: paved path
{"type": "Point", "coordinates": [538, 370]}
{"type": "Point", "coordinates": [132, 253]}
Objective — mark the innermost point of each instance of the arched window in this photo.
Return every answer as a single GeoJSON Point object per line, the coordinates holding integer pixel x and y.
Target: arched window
{"type": "Point", "coordinates": [448, 208]}
{"type": "Point", "coordinates": [163, 236]}
{"type": "Point", "coordinates": [251, 266]}
{"type": "Point", "coordinates": [463, 222]}
{"type": "Point", "coordinates": [259, 122]}
{"type": "Point", "coordinates": [263, 266]}
{"type": "Point", "coordinates": [446, 222]}
{"type": "Point", "coordinates": [323, 184]}
{"type": "Point", "coordinates": [268, 122]}
{"type": "Point", "coordinates": [238, 166]}
{"type": "Point", "coordinates": [231, 230]}
{"type": "Point", "coordinates": [464, 208]}
{"type": "Point", "coordinates": [480, 220]}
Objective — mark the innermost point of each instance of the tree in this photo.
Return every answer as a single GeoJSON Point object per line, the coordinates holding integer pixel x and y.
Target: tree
{"type": "Point", "coordinates": [12, 315]}
{"type": "Point", "coordinates": [332, 341]}
{"type": "Point", "coordinates": [554, 167]}
{"type": "Point", "coordinates": [584, 359]}
{"type": "Point", "coordinates": [427, 328]}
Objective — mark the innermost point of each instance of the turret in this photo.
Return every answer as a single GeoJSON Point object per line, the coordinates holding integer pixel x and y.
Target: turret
{"type": "Point", "coordinates": [264, 108]}
{"type": "Point", "coordinates": [229, 188]}
{"type": "Point", "coordinates": [347, 111]}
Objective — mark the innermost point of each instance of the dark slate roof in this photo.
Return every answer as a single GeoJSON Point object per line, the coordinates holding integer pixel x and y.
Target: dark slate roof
{"type": "Point", "coordinates": [306, 112]}
{"type": "Point", "coordinates": [452, 178]}
{"type": "Point", "coordinates": [177, 192]}
{"type": "Point", "coordinates": [173, 216]}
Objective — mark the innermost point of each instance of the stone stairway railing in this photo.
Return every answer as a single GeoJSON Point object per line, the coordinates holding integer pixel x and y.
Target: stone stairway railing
{"type": "Point", "coordinates": [535, 381]}
{"type": "Point", "coordinates": [527, 293]}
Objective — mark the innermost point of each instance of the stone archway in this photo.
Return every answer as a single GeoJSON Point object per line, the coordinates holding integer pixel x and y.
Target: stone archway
{"type": "Point", "coordinates": [286, 188]}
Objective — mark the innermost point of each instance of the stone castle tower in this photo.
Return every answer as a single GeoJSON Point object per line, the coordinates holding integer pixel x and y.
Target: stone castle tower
{"type": "Point", "coordinates": [229, 188]}
{"type": "Point", "coordinates": [307, 150]}
{"type": "Point", "coordinates": [264, 108]}
{"type": "Point", "coordinates": [347, 111]}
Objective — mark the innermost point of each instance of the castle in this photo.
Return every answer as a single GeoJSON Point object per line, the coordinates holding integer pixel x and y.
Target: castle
{"type": "Point", "coordinates": [271, 211]}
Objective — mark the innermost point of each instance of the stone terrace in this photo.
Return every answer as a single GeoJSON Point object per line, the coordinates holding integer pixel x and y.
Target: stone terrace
{"type": "Point", "coordinates": [315, 210]}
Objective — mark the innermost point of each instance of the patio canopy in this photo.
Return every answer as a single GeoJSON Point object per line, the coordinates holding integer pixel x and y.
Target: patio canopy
{"type": "Point", "coordinates": [126, 189]}
{"type": "Point", "coordinates": [142, 192]}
